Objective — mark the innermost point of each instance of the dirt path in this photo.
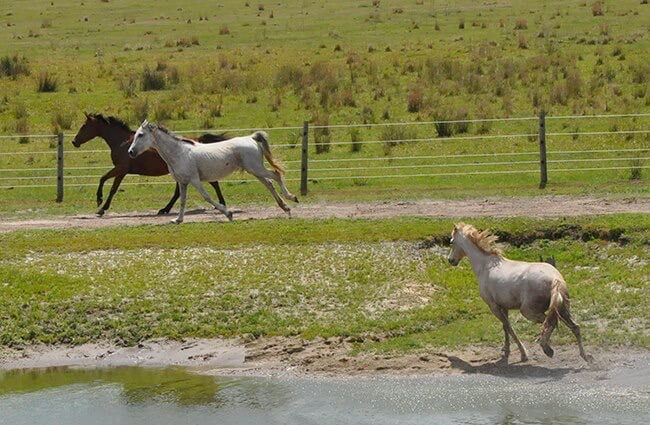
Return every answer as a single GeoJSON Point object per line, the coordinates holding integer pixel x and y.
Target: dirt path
{"type": "Point", "coordinates": [273, 356]}
{"type": "Point", "coordinates": [543, 206]}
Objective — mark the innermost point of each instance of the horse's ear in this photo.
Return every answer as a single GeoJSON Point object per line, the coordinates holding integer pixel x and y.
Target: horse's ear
{"type": "Point", "coordinates": [86, 114]}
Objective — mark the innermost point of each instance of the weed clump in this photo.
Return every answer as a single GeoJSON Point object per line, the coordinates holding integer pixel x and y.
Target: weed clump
{"type": "Point", "coordinates": [46, 83]}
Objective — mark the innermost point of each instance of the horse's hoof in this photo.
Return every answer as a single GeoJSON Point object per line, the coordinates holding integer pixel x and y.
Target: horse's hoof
{"type": "Point", "coordinates": [163, 212]}
{"type": "Point", "coordinates": [548, 350]}
{"type": "Point", "coordinates": [176, 221]}
{"type": "Point", "coordinates": [295, 199]}
{"type": "Point", "coordinates": [100, 212]}
{"type": "Point", "coordinates": [229, 215]}
{"type": "Point", "coordinates": [588, 358]}
{"type": "Point", "coordinates": [524, 358]}
{"type": "Point", "coordinates": [99, 201]}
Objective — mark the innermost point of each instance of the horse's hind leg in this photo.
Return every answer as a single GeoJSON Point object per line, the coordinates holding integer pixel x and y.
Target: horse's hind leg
{"type": "Point", "coordinates": [171, 202]}
{"type": "Point", "coordinates": [267, 183]}
{"type": "Point", "coordinates": [283, 187]}
{"type": "Point", "coordinates": [114, 187]}
{"type": "Point", "coordinates": [531, 313]}
{"type": "Point", "coordinates": [547, 329]}
{"type": "Point", "coordinates": [565, 316]}
{"type": "Point", "coordinates": [206, 196]}
{"type": "Point", "coordinates": [217, 189]}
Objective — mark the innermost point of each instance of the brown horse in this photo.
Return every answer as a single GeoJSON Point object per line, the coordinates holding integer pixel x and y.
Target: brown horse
{"type": "Point", "coordinates": [118, 137]}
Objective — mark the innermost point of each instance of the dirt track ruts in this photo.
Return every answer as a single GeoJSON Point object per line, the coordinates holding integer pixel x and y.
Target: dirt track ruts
{"type": "Point", "coordinates": [542, 206]}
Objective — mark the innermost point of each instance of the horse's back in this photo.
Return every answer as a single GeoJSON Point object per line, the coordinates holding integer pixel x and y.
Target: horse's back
{"type": "Point", "coordinates": [218, 160]}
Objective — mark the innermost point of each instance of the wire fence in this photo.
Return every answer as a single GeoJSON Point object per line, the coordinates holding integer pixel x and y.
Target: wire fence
{"type": "Point", "coordinates": [318, 153]}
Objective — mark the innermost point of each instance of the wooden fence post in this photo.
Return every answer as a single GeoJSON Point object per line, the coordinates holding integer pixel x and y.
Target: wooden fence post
{"type": "Point", "coordinates": [543, 176]}
{"type": "Point", "coordinates": [304, 158]}
{"type": "Point", "coordinates": [59, 168]}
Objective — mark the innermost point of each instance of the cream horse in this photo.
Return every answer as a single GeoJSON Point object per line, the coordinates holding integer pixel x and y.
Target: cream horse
{"type": "Point", "coordinates": [533, 288]}
{"type": "Point", "coordinates": [190, 162]}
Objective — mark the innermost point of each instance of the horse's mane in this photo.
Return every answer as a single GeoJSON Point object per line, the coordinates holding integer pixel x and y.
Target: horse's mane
{"type": "Point", "coordinates": [206, 138]}
{"type": "Point", "coordinates": [111, 120]}
{"type": "Point", "coordinates": [485, 240]}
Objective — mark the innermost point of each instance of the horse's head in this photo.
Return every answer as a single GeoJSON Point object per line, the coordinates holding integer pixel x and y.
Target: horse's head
{"type": "Point", "coordinates": [89, 130]}
{"type": "Point", "coordinates": [456, 252]}
{"type": "Point", "coordinates": [142, 139]}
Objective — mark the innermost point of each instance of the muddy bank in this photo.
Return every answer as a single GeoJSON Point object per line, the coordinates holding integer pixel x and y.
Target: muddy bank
{"type": "Point", "coordinates": [274, 356]}
{"type": "Point", "coordinates": [542, 206]}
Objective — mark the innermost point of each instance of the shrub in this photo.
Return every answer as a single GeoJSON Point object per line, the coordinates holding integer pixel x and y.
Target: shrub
{"type": "Point", "coordinates": [62, 120]}
{"type": "Point", "coordinates": [46, 83]}
{"type": "Point", "coordinates": [289, 75]}
{"type": "Point", "coordinates": [355, 139]}
{"type": "Point", "coordinates": [415, 98]}
{"type": "Point", "coordinates": [13, 66]}
{"type": "Point", "coordinates": [140, 109]}
{"type": "Point", "coordinates": [461, 24]}
{"type": "Point", "coordinates": [224, 30]}
{"type": "Point", "coordinates": [444, 128]}
{"type": "Point", "coordinates": [152, 79]}
{"type": "Point", "coordinates": [322, 134]}
{"type": "Point", "coordinates": [636, 170]}
{"type": "Point", "coordinates": [163, 111]}
{"type": "Point", "coordinates": [521, 24]}
{"type": "Point", "coordinates": [597, 8]}
{"type": "Point", "coordinates": [129, 85]}
{"type": "Point", "coordinates": [394, 135]}
{"type": "Point", "coordinates": [522, 42]}
{"type": "Point", "coordinates": [22, 127]}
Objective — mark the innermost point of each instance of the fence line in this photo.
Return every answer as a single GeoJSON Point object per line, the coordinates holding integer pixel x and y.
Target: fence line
{"type": "Point", "coordinates": [365, 177]}
{"type": "Point", "coordinates": [479, 165]}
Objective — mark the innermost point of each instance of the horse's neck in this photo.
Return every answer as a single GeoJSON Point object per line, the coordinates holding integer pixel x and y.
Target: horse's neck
{"type": "Point", "coordinates": [170, 149]}
{"type": "Point", "coordinates": [114, 137]}
{"type": "Point", "coordinates": [477, 257]}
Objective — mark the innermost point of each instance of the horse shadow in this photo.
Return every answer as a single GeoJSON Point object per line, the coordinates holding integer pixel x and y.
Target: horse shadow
{"type": "Point", "coordinates": [510, 370]}
{"type": "Point", "coordinates": [197, 211]}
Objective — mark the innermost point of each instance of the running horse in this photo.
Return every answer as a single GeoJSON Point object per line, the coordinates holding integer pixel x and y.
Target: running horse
{"type": "Point", "coordinates": [191, 163]}
{"type": "Point", "coordinates": [533, 288]}
{"type": "Point", "coordinates": [118, 137]}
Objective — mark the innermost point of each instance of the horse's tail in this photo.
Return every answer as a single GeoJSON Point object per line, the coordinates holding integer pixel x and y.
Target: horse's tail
{"type": "Point", "coordinates": [263, 139]}
{"type": "Point", "coordinates": [559, 298]}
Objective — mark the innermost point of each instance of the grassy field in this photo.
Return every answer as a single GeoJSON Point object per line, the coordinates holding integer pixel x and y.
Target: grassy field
{"type": "Point", "coordinates": [240, 64]}
{"type": "Point", "coordinates": [309, 278]}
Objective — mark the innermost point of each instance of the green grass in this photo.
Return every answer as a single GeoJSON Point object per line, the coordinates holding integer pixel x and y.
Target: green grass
{"type": "Point", "coordinates": [308, 278]}
{"type": "Point", "coordinates": [286, 69]}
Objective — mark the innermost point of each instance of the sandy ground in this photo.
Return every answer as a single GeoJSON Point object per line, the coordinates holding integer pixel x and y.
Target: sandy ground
{"type": "Point", "coordinates": [282, 356]}
{"type": "Point", "coordinates": [542, 206]}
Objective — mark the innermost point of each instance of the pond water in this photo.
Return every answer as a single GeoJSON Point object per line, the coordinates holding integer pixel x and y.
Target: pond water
{"type": "Point", "coordinates": [132, 395]}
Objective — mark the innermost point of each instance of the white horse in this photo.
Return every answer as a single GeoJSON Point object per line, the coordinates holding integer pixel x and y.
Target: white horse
{"type": "Point", "coordinates": [190, 162]}
{"type": "Point", "coordinates": [533, 288]}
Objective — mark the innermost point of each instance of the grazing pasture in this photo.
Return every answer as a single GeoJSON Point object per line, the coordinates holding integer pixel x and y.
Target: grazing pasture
{"type": "Point", "coordinates": [236, 64]}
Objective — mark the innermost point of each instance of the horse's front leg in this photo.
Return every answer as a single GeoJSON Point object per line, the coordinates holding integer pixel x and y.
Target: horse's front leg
{"type": "Point", "coordinates": [100, 189]}
{"type": "Point", "coordinates": [171, 202]}
{"type": "Point", "coordinates": [502, 315]}
{"type": "Point", "coordinates": [114, 187]}
{"type": "Point", "coordinates": [183, 195]}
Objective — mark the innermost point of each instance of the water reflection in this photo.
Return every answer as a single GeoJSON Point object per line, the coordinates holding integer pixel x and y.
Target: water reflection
{"type": "Point", "coordinates": [139, 385]}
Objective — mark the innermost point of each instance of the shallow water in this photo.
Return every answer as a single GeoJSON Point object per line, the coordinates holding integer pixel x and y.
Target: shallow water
{"type": "Point", "coordinates": [131, 395]}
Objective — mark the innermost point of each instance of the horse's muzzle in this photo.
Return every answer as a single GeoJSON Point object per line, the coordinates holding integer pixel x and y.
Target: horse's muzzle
{"type": "Point", "coordinates": [76, 144]}
{"type": "Point", "coordinates": [132, 154]}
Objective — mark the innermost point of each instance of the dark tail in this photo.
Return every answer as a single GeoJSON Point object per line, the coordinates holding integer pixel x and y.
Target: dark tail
{"type": "Point", "coordinates": [263, 139]}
